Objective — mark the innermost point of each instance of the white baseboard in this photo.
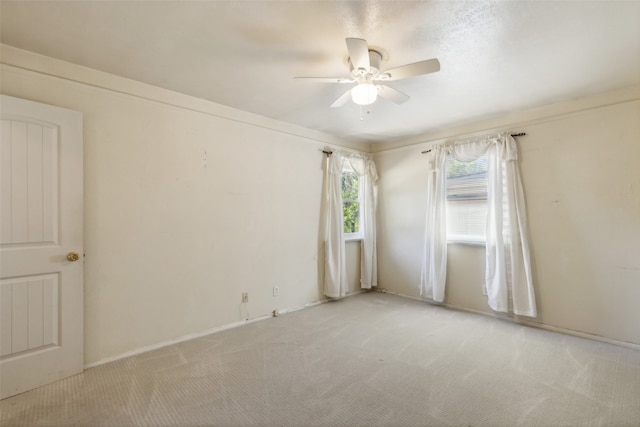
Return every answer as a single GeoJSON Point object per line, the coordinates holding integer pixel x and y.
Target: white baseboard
{"type": "Point", "coordinates": [195, 335]}
{"type": "Point", "coordinates": [178, 340]}
{"type": "Point", "coordinates": [521, 321]}
{"type": "Point", "coordinates": [381, 290]}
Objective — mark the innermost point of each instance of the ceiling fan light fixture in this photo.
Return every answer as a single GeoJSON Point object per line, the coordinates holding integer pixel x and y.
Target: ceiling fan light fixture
{"type": "Point", "coordinates": [364, 94]}
{"type": "Point", "coordinates": [364, 66]}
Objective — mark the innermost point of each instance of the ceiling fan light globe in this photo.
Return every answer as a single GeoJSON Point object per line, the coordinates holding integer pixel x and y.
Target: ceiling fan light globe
{"type": "Point", "coordinates": [364, 94]}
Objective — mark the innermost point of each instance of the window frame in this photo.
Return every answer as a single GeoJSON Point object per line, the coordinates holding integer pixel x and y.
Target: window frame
{"type": "Point", "coordinates": [461, 239]}
{"type": "Point", "coordinates": [349, 237]}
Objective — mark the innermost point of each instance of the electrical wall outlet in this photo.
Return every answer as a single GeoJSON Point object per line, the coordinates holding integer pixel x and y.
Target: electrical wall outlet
{"type": "Point", "coordinates": [276, 291]}
{"type": "Point", "coordinates": [245, 297]}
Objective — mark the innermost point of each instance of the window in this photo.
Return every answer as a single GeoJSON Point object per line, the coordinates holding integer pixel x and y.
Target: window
{"type": "Point", "coordinates": [466, 200]}
{"type": "Point", "coordinates": [351, 203]}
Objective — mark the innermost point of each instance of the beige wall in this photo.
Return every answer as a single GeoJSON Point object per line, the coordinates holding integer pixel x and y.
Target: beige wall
{"type": "Point", "coordinates": [187, 205]}
{"type": "Point", "coordinates": [581, 178]}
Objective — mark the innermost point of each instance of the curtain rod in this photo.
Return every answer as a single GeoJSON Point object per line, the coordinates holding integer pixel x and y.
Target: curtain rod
{"type": "Point", "coordinates": [513, 134]}
{"type": "Point", "coordinates": [329, 153]}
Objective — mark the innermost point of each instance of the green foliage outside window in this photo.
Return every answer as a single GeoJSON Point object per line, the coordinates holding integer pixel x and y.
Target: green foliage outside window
{"type": "Point", "coordinates": [351, 205]}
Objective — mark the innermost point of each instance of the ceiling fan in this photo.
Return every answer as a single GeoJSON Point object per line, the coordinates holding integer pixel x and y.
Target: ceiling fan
{"type": "Point", "coordinates": [364, 64]}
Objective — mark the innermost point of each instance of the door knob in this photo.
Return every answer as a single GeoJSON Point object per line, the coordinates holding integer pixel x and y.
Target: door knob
{"type": "Point", "coordinates": [73, 256]}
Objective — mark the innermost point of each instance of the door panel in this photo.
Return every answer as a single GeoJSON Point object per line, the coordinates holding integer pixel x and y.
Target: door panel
{"type": "Point", "coordinates": [41, 291]}
{"type": "Point", "coordinates": [30, 313]}
{"type": "Point", "coordinates": [29, 158]}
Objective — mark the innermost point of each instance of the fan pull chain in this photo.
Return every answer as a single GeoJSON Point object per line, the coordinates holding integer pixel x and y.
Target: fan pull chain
{"type": "Point", "coordinates": [362, 110]}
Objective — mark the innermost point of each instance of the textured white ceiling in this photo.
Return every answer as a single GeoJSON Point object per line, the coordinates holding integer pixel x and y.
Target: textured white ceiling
{"type": "Point", "coordinates": [496, 56]}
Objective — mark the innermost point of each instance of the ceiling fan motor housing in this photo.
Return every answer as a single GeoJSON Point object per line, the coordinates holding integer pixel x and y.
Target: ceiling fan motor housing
{"type": "Point", "coordinates": [375, 58]}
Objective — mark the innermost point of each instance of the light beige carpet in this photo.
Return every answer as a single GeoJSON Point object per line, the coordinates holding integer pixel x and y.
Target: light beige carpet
{"type": "Point", "coordinates": [368, 360]}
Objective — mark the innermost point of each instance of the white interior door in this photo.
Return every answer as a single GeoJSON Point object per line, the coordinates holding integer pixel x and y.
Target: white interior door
{"type": "Point", "coordinates": [41, 206]}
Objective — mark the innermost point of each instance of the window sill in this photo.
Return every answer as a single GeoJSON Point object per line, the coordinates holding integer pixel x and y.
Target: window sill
{"type": "Point", "coordinates": [481, 243]}
{"type": "Point", "coordinates": [352, 237]}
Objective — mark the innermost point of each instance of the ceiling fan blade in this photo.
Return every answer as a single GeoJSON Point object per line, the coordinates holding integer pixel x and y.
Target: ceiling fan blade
{"type": "Point", "coordinates": [342, 100]}
{"type": "Point", "coordinates": [358, 53]}
{"type": "Point", "coordinates": [412, 70]}
{"type": "Point", "coordinates": [392, 94]}
{"type": "Point", "coordinates": [325, 79]}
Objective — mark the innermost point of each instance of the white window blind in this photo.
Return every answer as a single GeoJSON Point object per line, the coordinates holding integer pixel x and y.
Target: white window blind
{"type": "Point", "coordinates": [466, 200]}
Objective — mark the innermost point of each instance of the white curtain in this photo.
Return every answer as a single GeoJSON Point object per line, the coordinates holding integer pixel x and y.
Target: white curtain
{"type": "Point", "coordinates": [366, 169]}
{"type": "Point", "coordinates": [434, 264]}
{"type": "Point", "coordinates": [509, 283]}
{"type": "Point", "coordinates": [508, 280]}
{"type": "Point", "coordinates": [335, 272]}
